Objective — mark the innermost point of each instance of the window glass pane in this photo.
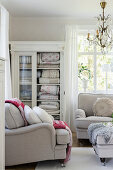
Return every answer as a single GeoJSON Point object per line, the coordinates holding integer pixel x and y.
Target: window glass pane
{"type": "Point", "coordinates": [104, 72]}
{"type": "Point", "coordinates": [87, 61]}
{"type": "Point", "coordinates": [83, 44]}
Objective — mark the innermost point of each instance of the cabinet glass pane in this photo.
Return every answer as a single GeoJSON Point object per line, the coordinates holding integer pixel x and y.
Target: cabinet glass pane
{"type": "Point", "coordinates": [25, 78]}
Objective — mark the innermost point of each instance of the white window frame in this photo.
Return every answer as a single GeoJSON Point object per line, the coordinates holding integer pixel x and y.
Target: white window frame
{"type": "Point", "coordinates": [94, 54]}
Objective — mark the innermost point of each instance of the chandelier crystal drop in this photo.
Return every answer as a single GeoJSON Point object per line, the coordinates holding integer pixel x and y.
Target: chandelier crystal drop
{"type": "Point", "coordinates": [103, 36]}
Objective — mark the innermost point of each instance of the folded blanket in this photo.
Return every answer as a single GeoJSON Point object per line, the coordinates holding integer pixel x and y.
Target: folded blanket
{"type": "Point", "coordinates": [50, 73]}
{"type": "Point", "coordinates": [50, 62]}
{"type": "Point", "coordinates": [48, 107]}
{"type": "Point", "coordinates": [48, 57]}
{"type": "Point", "coordinates": [49, 80]}
{"type": "Point", "coordinates": [52, 112]}
{"type": "Point", "coordinates": [48, 97]}
{"type": "Point", "coordinates": [62, 125]}
{"type": "Point", "coordinates": [51, 103]}
{"type": "Point", "coordinates": [48, 65]}
{"type": "Point", "coordinates": [50, 89]}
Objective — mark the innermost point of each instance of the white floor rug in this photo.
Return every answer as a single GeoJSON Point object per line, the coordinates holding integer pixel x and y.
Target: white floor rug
{"type": "Point", "coordinates": [81, 159]}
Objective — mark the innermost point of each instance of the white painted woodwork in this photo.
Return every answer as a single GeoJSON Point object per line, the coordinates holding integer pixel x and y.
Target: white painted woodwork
{"type": "Point", "coordinates": [2, 115]}
{"type": "Point", "coordinates": [31, 48]}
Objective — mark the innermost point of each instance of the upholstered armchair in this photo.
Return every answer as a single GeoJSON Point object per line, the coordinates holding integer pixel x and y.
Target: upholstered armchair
{"type": "Point", "coordinates": [84, 115]}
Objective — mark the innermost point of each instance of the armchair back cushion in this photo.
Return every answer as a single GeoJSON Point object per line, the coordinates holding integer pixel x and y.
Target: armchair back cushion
{"type": "Point", "coordinates": [86, 101]}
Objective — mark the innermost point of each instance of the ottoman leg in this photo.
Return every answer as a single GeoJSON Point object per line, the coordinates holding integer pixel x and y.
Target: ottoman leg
{"type": "Point", "coordinates": [103, 161]}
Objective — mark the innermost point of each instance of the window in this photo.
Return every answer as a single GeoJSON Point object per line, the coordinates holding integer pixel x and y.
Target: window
{"type": "Point", "coordinates": [100, 67]}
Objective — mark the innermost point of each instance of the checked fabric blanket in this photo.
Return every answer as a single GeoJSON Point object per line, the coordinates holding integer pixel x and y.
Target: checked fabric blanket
{"type": "Point", "coordinates": [99, 129]}
{"type": "Point", "coordinates": [62, 125]}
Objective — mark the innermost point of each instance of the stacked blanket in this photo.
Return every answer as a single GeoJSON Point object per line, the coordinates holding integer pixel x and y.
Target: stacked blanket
{"type": "Point", "coordinates": [50, 58]}
{"type": "Point", "coordinates": [49, 76]}
{"type": "Point", "coordinates": [49, 93]}
{"type": "Point", "coordinates": [50, 107]}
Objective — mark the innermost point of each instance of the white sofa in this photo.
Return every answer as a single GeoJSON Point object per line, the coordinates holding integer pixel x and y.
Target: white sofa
{"type": "Point", "coordinates": [84, 115]}
{"type": "Point", "coordinates": [33, 143]}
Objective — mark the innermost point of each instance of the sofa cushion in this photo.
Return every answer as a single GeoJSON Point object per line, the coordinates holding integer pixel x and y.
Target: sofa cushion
{"type": "Point", "coordinates": [13, 118]}
{"type": "Point", "coordinates": [85, 122]}
{"type": "Point", "coordinates": [62, 136]}
{"type": "Point", "coordinates": [103, 107]}
{"type": "Point", "coordinates": [43, 115]}
{"type": "Point", "coordinates": [31, 116]}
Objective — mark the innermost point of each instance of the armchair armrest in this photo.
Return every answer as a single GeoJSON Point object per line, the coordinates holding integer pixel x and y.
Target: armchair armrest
{"type": "Point", "coordinates": [79, 113]}
{"type": "Point", "coordinates": [29, 144]}
{"type": "Point", "coordinates": [34, 129]}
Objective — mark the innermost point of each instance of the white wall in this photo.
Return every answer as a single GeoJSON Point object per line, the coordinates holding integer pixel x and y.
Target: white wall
{"type": "Point", "coordinates": [40, 29]}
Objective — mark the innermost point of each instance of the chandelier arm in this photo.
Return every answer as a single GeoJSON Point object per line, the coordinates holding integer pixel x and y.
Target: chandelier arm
{"type": "Point", "coordinates": [103, 37]}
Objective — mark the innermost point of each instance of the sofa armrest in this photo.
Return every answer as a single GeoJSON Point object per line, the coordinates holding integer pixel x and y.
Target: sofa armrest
{"type": "Point", "coordinates": [35, 129]}
{"type": "Point", "coordinates": [79, 113]}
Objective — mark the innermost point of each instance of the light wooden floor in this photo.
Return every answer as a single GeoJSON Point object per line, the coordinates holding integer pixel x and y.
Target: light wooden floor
{"type": "Point", "coordinates": [76, 143]}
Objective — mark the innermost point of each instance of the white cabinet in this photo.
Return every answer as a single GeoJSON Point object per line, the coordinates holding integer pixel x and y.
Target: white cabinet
{"type": "Point", "coordinates": [38, 82]}
{"type": "Point", "coordinates": [2, 115]}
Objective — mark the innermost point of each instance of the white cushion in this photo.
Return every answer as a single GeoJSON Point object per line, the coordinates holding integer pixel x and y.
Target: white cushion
{"type": "Point", "coordinates": [31, 116]}
{"type": "Point", "coordinates": [43, 115]}
{"type": "Point", "coordinates": [103, 107]}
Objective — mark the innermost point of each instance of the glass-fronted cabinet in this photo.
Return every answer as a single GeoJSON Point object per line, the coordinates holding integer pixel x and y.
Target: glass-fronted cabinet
{"type": "Point", "coordinates": [38, 75]}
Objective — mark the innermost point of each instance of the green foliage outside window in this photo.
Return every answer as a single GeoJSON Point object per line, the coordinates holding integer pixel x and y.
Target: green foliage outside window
{"type": "Point", "coordinates": [92, 58]}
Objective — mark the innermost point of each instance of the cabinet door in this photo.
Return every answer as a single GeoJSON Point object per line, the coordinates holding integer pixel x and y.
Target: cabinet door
{"type": "Point", "coordinates": [2, 124]}
{"type": "Point", "coordinates": [24, 69]}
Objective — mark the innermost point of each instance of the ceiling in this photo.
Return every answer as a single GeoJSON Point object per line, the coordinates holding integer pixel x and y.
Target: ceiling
{"type": "Point", "coordinates": [80, 9]}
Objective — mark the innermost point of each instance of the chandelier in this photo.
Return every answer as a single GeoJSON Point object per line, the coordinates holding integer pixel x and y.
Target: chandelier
{"type": "Point", "coordinates": [103, 36]}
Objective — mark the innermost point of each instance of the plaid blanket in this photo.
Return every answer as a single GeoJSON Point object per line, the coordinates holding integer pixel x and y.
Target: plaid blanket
{"type": "Point", "coordinates": [62, 125]}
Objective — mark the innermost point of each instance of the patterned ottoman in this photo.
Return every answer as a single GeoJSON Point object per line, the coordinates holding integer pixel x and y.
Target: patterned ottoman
{"type": "Point", "coordinates": [101, 137]}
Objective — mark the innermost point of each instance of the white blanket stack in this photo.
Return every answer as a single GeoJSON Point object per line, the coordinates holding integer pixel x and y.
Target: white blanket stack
{"type": "Point", "coordinates": [52, 77]}
{"type": "Point", "coordinates": [50, 107]}
{"type": "Point", "coordinates": [49, 92]}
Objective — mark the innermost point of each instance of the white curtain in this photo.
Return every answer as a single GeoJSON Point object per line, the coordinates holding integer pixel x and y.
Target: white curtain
{"type": "Point", "coordinates": [4, 43]}
{"type": "Point", "coordinates": [71, 75]}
